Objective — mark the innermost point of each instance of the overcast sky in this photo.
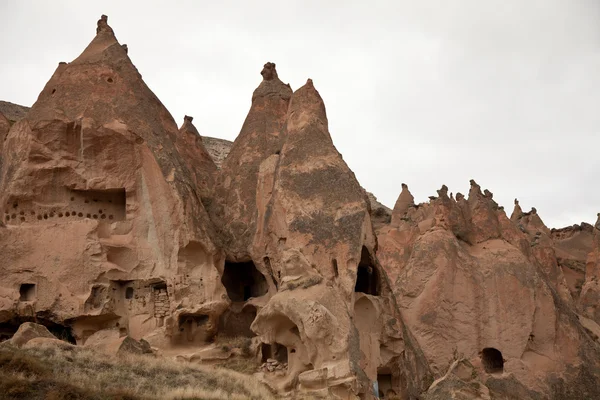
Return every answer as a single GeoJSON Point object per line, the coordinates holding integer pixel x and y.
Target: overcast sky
{"type": "Point", "coordinates": [506, 92]}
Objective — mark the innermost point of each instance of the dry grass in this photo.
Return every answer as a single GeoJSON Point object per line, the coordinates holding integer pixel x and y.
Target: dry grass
{"type": "Point", "coordinates": [69, 372]}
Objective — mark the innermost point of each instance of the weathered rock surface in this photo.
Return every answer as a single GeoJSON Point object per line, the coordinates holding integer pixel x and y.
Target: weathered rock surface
{"type": "Point", "coordinates": [470, 281]}
{"type": "Point", "coordinates": [119, 231]}
{"type": "Point", "coordinates": [217, 148]}
{"type": "Point", "coordinates": [29, 331]}
{"type": "Point", "coordinates": [234, 205]}
{"type": "Point", "coordinates": [198, 161]}
{"type": "Point", "coordinates": [13, 112]}
{"type": "Point", "coordinates": [104, 223]}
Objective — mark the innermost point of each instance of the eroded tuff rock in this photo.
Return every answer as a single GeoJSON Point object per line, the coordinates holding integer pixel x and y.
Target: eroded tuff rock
{"type": "Point", "coordinates": [198, 161]}
{"type": "Point", "coordinates": [473, 284]}
{"type": "Point", "coordinates": [106, 242]}
{"type": "Point", "coordinates": [104, 223]}
{"type": "Point", "coordinates": [333, 306]}
{"type": "Point", "coordinates": [234, 205]}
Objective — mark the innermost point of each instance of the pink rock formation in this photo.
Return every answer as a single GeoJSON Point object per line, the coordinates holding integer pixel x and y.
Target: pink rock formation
{"type": "Point", "coordinates": [234, 205]}
{"type": "Point", "coordinates": [333, 306]}
{"type": "Point", "coordinates": [105, 241]}
{"type": "Point", "coordinates": [105, 227]}
{"type": "Point", "coordinates": [475, 285]}
{"type": "Point", "coordinates": [199, 163]}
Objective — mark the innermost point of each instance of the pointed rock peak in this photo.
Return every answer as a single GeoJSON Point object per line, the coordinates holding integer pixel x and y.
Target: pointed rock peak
{"type": "Point", "coordinates": [269, 72]}
{"type": "Point", "coordinates": [459, 196]}
{"type": "Point", "coordinates": [517, 211]}
{"type": "Point", "coordinates": [404, 202]}
{"type": "Point", "coordinates": [307, 100]}
{"type": "Point", "coordinates": [488, 194]}
{"type": "Point", "coordinates": [271, 85]}
{"type": "Point", "coordinates": [443, 192]}
{"type": "Point", "coordinates": [474, 191]}
{"type": "Point", "coordinates": [124, 46]}
{"type": "Point", "coordinates": [533, 210]}
{"type": "Point", "coordinates": [103, 25]}
{"type": "Point", "coordinates": [597, 224]}
{"type": "Point", "coordinates": [188, 127]}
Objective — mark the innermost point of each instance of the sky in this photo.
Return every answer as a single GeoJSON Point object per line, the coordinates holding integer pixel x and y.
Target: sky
{"type": "Point", "coordinates": [426, 92]}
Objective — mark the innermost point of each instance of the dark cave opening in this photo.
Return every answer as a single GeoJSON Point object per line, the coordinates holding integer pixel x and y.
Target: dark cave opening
{"type": "Point", "coordinates": [492, 360]}
{"type": "Point", "coordinates": [367, 277]}
{"type": "Point", "coordinates": [275, 351]}
{"type": "Point", "coordinates": [27, 292]}
{"type": "Point", "coordinates": [243, 281]}
{"type": "Point", "coordinates": [62, 332]}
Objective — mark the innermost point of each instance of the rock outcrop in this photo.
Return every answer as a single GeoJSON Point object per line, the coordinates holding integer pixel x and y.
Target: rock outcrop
{"type": "Point", "coordinates": [104, 218]}
{"type": "Point", "coordinates": [120, 232]}
{"type": "Point", "coordinates": [473, 284]}
{"type": "Point", "coordinates": [234, 205]}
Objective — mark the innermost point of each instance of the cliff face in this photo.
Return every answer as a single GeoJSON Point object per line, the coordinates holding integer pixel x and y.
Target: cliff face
{"type": "Point", "coordinates": [488, 292]}
{"type": "Point", "coordinates": [101, 210]}
{"type": "Point", "coordinates": [115, 222]}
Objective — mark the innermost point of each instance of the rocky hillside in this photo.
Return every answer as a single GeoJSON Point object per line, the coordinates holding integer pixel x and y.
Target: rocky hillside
{"type": "Point", "coordinates": [120, 233]}
{"type": "Point", "coordinates": [13, 112]}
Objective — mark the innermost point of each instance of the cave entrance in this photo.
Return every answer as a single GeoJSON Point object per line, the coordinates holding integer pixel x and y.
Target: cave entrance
{"type": "Point", "coordinates": [243, 281]}
{"type": "Point", "coordinates": [492, 360]}
{"type": "Point", "coordinates": [27, 292]}
{"type": "Point", "coordinates": [367, 277]}
{"type": "Point", "coordinates": [276, 351]}
{"type": "Point", "coordinates": [234, 323]}
{"type": "Point", "coordinates": [384, 383]}
{"type": "Point", "coordinates": [192, 328]}
{"type": "Point", "coordinates": [62, 332]}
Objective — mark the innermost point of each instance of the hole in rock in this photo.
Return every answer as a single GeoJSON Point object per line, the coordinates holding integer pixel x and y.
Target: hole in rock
{"type": "Point", "coordinates": [109, 80]}
{"type": "Point", "coordinates": [384, 383]}
{"type": "Point", "coordinates": [115, 200]}
{"type": "Point", "coordinates": [367, 277]}
{"type": "Point", "coordinates": [27, 292]}
{"type": "Point", "coordinates": [492, 360]}
{"type": "Point", "coordinates": [334, 266]}
{"type": "Point", "coordinates": [129, 293]}
{"type": "Point", "coordinates": [232, 323]}
{"type": "Point", "coordinates": [243, 281]}
{"type": "Point", "coordinates": [62, 332]}
{"type": "Point", "coordinates": [192, 328]}
{"type": "Point", "coordinates": [275, 351]}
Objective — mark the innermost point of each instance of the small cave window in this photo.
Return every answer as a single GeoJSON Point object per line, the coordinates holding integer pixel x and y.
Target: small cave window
{"type": "Point", "coordinates": [129, 293]}
{"type": "Point", "coordinates": [492, 360]}
{"type": "Point", "coordinates": [334, 267]}
{"type": "Point", "coordinates": [275, 351]}
{"type": "Point", "coordinates": [243, 281]}
{"type": "Point", "coordinates": [27, 292]}
{"type": "Point", "coordinates": [384, 383]}
{"type": "Point", "coordinates": [367, 277]}
{"type": "Point", "coordinates": [191, 327]}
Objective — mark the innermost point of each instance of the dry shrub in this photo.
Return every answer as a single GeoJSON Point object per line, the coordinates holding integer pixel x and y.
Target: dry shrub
{"type": "Point", "coordinates": [72, 373]}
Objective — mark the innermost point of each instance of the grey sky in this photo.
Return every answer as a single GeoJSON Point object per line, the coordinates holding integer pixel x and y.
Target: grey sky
{"type": "Point", "coordinates": [423, 92]}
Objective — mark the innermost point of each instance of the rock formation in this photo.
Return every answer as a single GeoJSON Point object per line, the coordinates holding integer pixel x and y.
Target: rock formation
{"type": "Point", "coordinates": [475, 286]}
{"type": "Point", "coordinates": [120, 232]}
{"type": "Point", "coordinates": [198, 162]}
{"type": "Point", "coordinates": [103, 216]}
